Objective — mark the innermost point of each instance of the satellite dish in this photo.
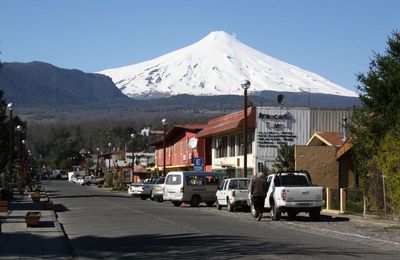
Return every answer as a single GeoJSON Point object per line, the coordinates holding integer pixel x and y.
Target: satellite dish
{"type": "Point", "coordinates": [193, 142]}
{"type": "Point", "coordinates": [281, 99]}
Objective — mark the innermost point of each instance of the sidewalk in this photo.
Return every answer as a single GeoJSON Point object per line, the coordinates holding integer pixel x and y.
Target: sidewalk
{"type": "Point", "coordinates": [19, 241]}
{"type": "Point", "coordinates": [371, 219]}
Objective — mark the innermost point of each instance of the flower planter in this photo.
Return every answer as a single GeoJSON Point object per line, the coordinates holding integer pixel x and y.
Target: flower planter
{"type": "Point", "coordinates": [32, 219]}
{"type": "Point", "coordinates": [3, 205]}
{"type": "Point", "coordinates": [48, 205]}
{"type": "Point", "coordinates": [35, 197]}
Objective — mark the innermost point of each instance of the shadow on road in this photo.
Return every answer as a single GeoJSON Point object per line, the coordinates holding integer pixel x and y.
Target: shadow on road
{"type": "Point", "coordinates": [194, 246]}
{"type": "Point", "coordinates": [59, 208]}
{"type": "Point", "coordinates": [323, 218]}
{"type": "Point", "coordinates": [89, 196]}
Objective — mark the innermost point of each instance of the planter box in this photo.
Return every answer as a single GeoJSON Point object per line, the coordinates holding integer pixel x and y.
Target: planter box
{"type": "Point", "coordinates": [32, 219]}
{"type": "Point", "coordinates": [48, 205]}
{"type": "Point", "coordinates": [35, 198]}
{"type": "Point", "coordinates": [3, 205]}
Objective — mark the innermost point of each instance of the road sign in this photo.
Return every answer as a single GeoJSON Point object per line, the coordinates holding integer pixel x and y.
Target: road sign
{"type": "Point", "coordinates": [198, 163]}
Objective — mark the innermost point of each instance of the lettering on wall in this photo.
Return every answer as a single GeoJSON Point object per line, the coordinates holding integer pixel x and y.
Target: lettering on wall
{"type": "Point", "coordinates": [275, 139]}
{"type": "Point", "coordinates": [278, 132]}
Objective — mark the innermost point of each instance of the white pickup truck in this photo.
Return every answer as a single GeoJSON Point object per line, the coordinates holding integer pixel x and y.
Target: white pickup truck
{"type": "Point", "coordinates": [232, 193]}
{"type": "Point", "coordinates": [292, 192]}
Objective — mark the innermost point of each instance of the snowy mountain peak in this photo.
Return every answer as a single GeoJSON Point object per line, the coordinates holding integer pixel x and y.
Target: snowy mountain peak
{"type": "Point", "coordinates": [217, 36]}
{"type": "Point", "coordinates": [216, 65]}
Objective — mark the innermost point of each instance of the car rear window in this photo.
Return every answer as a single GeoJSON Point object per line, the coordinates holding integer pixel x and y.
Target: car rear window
{"type": "Point", "coordinates": [239, 184]}
{"type": "Point", "coordinates": [291, 180]}
{"type": "Point", "coordinates": [160, 180]}
{"type": "Point", "coordinates": [173, 179]}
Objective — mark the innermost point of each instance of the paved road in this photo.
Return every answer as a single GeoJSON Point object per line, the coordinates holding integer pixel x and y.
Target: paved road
{"type": "Point", "coordinates": [102, 224]}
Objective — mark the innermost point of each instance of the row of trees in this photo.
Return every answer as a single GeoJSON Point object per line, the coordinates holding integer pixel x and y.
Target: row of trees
{"type": "Point", "coordinates": [376, 130]}
{"type": "Point", "coordinates": [65, 142]}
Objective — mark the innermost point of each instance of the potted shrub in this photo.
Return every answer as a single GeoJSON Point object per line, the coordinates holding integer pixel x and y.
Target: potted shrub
{"type": "Point", "coordinates": [36, 197]}
{"type": "Point", "coordinates": [32, 218]}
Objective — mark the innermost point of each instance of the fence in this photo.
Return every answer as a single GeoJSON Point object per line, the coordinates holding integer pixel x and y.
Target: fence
{"type": "Point", "coordinates": [344, 200]}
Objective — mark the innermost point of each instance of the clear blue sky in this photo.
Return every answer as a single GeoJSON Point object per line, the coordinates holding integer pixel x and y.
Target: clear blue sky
{"type": "Point", "coordinates": [335, 39]}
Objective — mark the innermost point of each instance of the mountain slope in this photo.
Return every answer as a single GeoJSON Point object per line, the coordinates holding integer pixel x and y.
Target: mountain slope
{"type": "Point", "coordinates": [42, 84]}
{"type": "Point", "coordinates": [215, 66]}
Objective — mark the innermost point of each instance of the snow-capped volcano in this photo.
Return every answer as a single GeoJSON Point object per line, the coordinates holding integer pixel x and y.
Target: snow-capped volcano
{"type": "Point", "coordinates": [216, 65]}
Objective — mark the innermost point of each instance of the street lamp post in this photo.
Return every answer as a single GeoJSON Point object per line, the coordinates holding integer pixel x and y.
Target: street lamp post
{"type": "Point", "coordinates": [19, 130]}
{"type": "Point", "coordinates": [97, 162]}
{"type": "Point", "coordinates": [11, 130]}
{"type": "Point", "coordinates": [133, 156]}
{"type": "Point", "coordinates": [245, 85]}
{"type": "Point", "coordinates": [164, 123]}
{"type": "Point", "coordinates": [88, 153]}
{"type": "Point", "coordinates": [109, 154]}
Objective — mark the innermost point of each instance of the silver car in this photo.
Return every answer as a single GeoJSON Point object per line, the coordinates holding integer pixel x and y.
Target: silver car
{"type": "Point", "coordinates": [158, 189]}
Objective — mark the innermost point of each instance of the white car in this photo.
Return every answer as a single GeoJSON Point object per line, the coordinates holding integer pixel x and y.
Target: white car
{"type": "Point", "coordinates": [158, 189]}
{"type": "Point", "coordinates": [87, 180]}
{"type": "Point", "coordinates": [143, 189]}
{"type": "Point", "coordinates": [232, 193]}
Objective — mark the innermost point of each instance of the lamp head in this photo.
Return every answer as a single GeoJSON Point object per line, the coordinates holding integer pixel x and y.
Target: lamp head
{"type": "Point", "coordinates": [164, 121]}
{"type": "Point", "coordinates": [245, 84]}
{"type": "Point", "coordinates": [132, 135]}
{"type": "Point", "coordinates": [19, 128]}
{"type": "Point", "coordinates": [10, 106]}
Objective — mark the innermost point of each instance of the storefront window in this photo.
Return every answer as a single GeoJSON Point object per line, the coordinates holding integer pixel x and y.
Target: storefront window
{"type": "Point", "coordinates": [250, 142]}
{"type": "Point", "coordinates": [240, 142]}
{"type": "Point", "coordinates": [221, 145]}
{"type": "Point", "coordinates": [232, 145]}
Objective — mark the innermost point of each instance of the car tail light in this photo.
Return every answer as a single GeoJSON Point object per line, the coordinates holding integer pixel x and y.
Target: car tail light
{"type": "Point", "coordinates": [182, 190]}
{"type": "Point", "coordinates": [283, 194]}
{"type": "Point", "coordinates": [233, 193]}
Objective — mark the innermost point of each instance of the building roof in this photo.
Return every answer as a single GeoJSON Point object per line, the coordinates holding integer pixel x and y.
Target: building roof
{"type": "Point", "coordinates": [346, 147]}
{"type": "Point", "coordinates": [171, 134]}
{"type": "Point", "coordinates": [326, 138]}
{"type": "Point", "coordinates": [229, 123]}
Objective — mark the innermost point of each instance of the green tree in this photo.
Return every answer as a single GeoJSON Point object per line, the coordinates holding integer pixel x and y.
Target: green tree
{"type": "Point", "coordinates": [389, 164]}
{"type": "Point", "coordinates": [285, 158]}
{"type": "Point", "coordinates": [380, 94]}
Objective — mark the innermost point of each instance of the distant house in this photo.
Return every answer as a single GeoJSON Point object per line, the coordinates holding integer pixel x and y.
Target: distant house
{"type": "Point", "coordinates": [145, 131]}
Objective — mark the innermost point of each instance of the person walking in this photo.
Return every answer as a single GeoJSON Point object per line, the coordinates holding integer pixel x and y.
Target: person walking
{"type": "Point", "coordinates": [258, 193]}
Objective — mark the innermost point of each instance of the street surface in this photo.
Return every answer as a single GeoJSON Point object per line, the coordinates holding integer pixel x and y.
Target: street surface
{"type": "Point", "coordinates": [103, 224]}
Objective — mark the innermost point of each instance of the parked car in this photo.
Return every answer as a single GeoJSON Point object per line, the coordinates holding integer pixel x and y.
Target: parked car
{"type": "Point", "coordinates": [158, 189]}
{"type": "Point", "coordinates": [79, 180]}
{"type": "Point", "coordinates": [232, 193]}
{"type": "Point", "coordinates": [291, 192]}
{"type": "Point", "coordinates": [192, 187]}
{"type": "Point", "coordinates": [142, 189]}
{"type": "Point", "coordinates": [88, 179]}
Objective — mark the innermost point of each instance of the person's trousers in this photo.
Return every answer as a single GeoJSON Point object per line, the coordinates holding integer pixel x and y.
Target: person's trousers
{"type": "Point", "coordinates": [258, 202]}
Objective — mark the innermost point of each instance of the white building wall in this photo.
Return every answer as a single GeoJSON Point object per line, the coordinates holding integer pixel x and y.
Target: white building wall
{"type": "Point", "coordinates": [276, 126]}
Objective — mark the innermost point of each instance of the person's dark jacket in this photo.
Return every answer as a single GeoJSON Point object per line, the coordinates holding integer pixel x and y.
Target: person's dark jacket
{"type": "Point", "coordinates": [259, 187]}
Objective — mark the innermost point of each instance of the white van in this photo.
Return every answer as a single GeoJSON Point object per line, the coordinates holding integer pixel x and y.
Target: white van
{"type": "Point", "coordinates": [192, 187]}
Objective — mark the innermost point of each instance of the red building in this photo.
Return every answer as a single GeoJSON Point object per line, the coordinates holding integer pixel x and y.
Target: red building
{"type": "Point", "coordinates": [181, 146]}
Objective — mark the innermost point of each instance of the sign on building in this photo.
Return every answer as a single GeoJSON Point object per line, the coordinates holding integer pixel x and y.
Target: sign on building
{"type": "Point", "coordinates": [198, 164]}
